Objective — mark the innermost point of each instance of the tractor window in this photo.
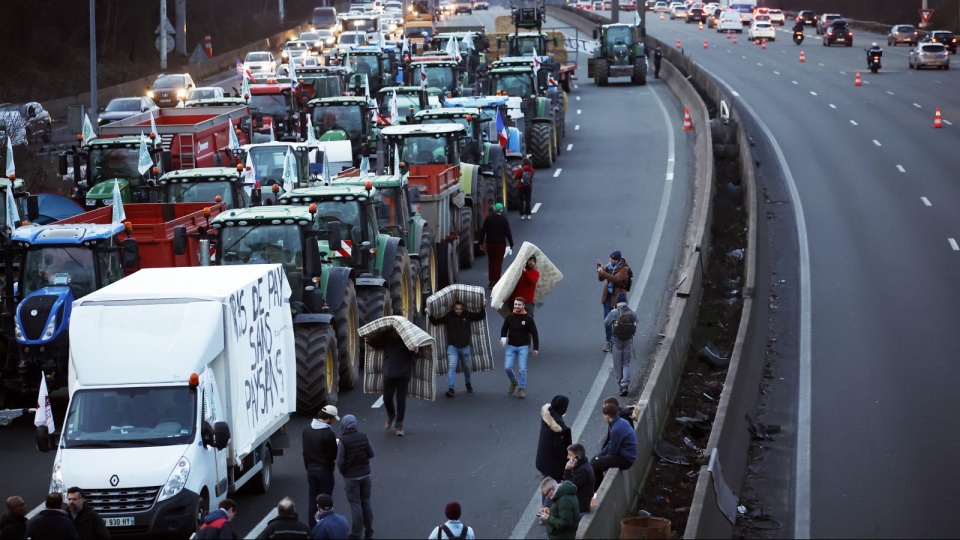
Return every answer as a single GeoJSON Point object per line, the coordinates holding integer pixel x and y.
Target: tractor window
{"type": "Point", "coordinates": [272, 104]}
{"type": "Point", "coordinates": [111, 267]}
{"type": "Point", "coordinates": [57, 266]}
{"type": "Point", "coordinates": [618, 36]}
{"type": "Point", "coordinates": [514, 85]}
{"type": "Point", "coordinates": [366, 65]}
{"type": "Point", "coordinates": [198, 192]}
{"type": "Point", "coordinates": [405, 102]}
{"type": "Point", "coordinates": [393, 215]}
{"type": "Point", "coordinates": [268, 163]}
{"type": "Point", "coordinates": [265, 244]}
{"type": "Point", "coordinates": [110, 163]}
{"type": "Point", "coordinates": [424, 150]}
{"type": "Point", "coordinates": [342, 117]}
{"type": "Point", "coordinates": [437, 76]}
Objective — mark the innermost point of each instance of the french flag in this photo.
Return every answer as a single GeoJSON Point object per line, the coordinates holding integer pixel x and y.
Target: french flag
{"type": "Point", "coordinates": [501, 130]}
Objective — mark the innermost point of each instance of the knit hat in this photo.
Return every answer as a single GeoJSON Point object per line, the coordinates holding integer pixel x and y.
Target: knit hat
{"type": "Point", "coordinates": [497, 207]}
{"type": "Point", "coordinates": [324, 501]}
{"type": "Point", "coordinates": [452, 511]}
{"type": "Point", "coordinates": [559, 404]}
{"type": "Point", "coordinates": [615, 255]}
{"type": "Point", "coordinates": [622, 297]}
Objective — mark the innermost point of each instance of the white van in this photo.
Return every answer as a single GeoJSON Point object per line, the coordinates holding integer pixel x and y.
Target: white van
{"type": "Point", "coordinates": [729, 21]}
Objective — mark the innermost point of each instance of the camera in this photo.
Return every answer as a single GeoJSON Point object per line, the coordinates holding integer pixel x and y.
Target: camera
{"type": "Point", "coordinates": [599, 264]}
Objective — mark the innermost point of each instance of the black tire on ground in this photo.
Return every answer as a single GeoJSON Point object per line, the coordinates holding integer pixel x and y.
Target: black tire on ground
{"type": "Point", "coordinates": [347, 319]}
{"type": "Point", "coordinates": [445, 265]}
{"type": "Point", "coordinates": [261, 482]}
{"type": "Point", "coordinates": [466, 237]}
{"type": "Point", "coordinates": [428, 263]}
{"type": "Point", "coordinates": [511, 191]}
{"type": "Point", "coordinates": [565, 84]}
{"type": "Point", "coordinates": [374, 304]}
{"type": "Point", "coordinates": [399, 283]}
{"type": "Point", "coordinates": [602, 71]}
{"type": "Point", "coordinates": [416, 289]}
{"type": "Point", "coordinates": [541, 143]}
{"type": "Point", "coordinates": [201, 509]}
{"type": "Point", "coordinates": [639, 71]}
{"type": "Point", "coordinates": [318, 376]}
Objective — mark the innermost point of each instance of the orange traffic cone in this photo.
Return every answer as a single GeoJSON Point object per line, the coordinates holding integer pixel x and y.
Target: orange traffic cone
{"type": "Point", "coordinates": [678, 43]}
{"type": "Point", "coordinates": [734, 39]}
{"type": "Point", "coordinates": [687, 124]}
{"type": "Point", "coordinates": [802, 59]}
{"type": "Point", "coordinates": [728, 34]}
{"type": "Point", "coordinates": [763, 44]}
{"type": "Point", "coordinates": [700, 26]}
{"type": "Point", "coordinates": [857, 81]}
{"type": "Point", "coordinates": [705, 44]}
{"type": "Point", "coordinates": [937, 121]}
{"type": "Point", "coordinates": [661, 15]}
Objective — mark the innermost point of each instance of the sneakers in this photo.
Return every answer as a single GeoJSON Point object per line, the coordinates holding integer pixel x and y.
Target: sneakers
{"type": "Point", "coordinates": [607, 347]}
{"type": "Point", "coordinates": [513, 386]}
{"type": "Point", "coordinates": [624, 390]}
{"type": "Point", "coordinates": [469, 388]}
{"type": "Point", "coordinates": [389, 423]}
{"type": "Point", "coordinates": [451, 393]}
{"type": "Point", "coordinates": [399, 429]}
{"type": "Point", "coordinates": [521, 394]}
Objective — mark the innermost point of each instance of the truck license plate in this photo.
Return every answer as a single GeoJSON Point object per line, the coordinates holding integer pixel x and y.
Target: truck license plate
{"type": "Point", "coordinates": [119, 521]}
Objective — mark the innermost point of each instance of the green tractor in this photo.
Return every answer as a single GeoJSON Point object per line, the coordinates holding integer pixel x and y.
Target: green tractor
{"type": "Point", "coordinates": [345, 118]}
{"type": "Point", "coordinates": [109, 159]}
{"type": "Point", "coordinates": [378, 263]}
{"type": "Point", "coordinates": [619, 53]}
{"type": "Point", "coordinates": [324, 297]}
{"type": "Point", "coordinates": [542, 114]}
{"type": "Point", "coordinates": [410, 100]}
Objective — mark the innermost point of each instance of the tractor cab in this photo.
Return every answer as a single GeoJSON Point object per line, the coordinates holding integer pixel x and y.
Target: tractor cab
{"type": "Point", "coordinates": [406, 100]}
{"type": "Point", "coordinates": [345, 118]}
{"type": "Point", "coordinates": [207, 184]}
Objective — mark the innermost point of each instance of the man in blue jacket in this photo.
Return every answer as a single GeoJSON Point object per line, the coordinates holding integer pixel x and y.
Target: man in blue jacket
{"type": "Point", "coordinates": [621, 450]}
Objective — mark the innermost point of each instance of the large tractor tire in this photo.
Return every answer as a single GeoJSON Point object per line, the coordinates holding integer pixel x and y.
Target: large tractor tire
{"type": "Point", "coordinates": [448, 263]}
{"type": "Point", "coordinates": [639, 71]}
{"type": "Point", "coordinates": [602, 67]}
{"type": "Point", "coordinates": [541, 145]}
{"type": "Point", "coordinates": [509, 188]}
{"type": "Point", "coordinates": [466, 237]}
{"type": "Point", "coordinates": [347, 317]}
{"type": "Point", "coordinates": [318, 376]}
{"type": "Point", "coordinates": [401, 297]}
{"type": "Point", "coordinates": [374, 304]}
{"type": "Point", "coordinates": [428, 263]}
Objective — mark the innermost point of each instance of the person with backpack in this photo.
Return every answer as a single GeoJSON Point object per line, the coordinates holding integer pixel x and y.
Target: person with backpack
{"type": "Point", "coordinates": [624, 326]}
{"type": "Point", "coordinates": [618, 278]}
{"type": "Point", "coordinates": [453, 528]}
{"type": "Point", "coordinates": [524, 177]}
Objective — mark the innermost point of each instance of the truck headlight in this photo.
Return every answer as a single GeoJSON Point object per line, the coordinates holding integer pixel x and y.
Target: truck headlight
{"type": "Point", "coordinates": [56, 479]}
{"type": "Point", "coordinates": [150, 94]}
{"type": "Point", "coordinates": [178, 479]}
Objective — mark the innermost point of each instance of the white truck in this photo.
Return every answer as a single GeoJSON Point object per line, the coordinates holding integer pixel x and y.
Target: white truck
{"type": "Point", "coordinates": [181, 382]}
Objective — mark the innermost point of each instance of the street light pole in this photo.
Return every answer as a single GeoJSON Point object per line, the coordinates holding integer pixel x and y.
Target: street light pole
{"type": "Point", "coordinates": [93, 61]}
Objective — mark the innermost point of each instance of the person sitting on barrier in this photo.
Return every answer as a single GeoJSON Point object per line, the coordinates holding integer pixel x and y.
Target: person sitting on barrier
{"type": "Point", "coordinates": [620, 451]}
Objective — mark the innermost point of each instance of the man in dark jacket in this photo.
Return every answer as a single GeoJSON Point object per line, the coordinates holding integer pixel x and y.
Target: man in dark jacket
{"type": "Point", "coordinates": [494, 237]}
{"type": "Point", "coordinates": [563, 516]}
{"type": "Point", "coordinates": [579, 471]}
{"type": "Point", "coordinates": [354, 453]}
{"type": "Point", "coordinates": [620, 451]}
{"type": "Point", "coordinates": [320, 455]}
{"type": "Point", "coordinates": [52, 521]}
{"type": "Point", "coordinates": [13, 525]}
{"type": "Point", "coordinates": [515, 334]}
{"type": "Point", "coordinates": [330, 525]}
{"type": "Point", "coordinates": [397, 370]}
{"type": "Point", "coordinates": [657, 58]}
{"type": "Point", "coordinates": [287, 525]}
{"type": "Point", "coordinates": [457, 323]}
{"type": "Point", "coordinates": [615, 274]}
{"type": "Point", "coordinates": [554, 438]}
{"type": "Point", "coordinates": [217, 525]}
{"type": "Point", "coordinates": [86, 520]}
{"type": "Point", "coordinates": [625, 412]}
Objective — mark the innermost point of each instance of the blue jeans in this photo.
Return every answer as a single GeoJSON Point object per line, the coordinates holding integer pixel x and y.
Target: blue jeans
{"type": "Point", "coordinates": [608, 328]}
{"type": "Point", "coordinates": [453, 355]}
{"type": "Point", "coordinates": [520, 355]}
{"type": "Point", "coordinates": [358, 495]}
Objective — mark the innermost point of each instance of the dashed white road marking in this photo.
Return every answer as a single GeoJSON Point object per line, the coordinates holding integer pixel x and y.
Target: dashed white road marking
{"type": "Point", "coordinates": [579, 111]}
{"type": "Point", "coordinates": [901, 169]}
{"type": "Point", "coordinates": [953, 244]}
{"type": "Point", "coordinates": [576, 127]}
{"type": "Point", "coordinates": [556, 173]}
{"type": "Point", "coordinates": [854, 122]}
{"type": "Point", "coordinates": [535, 208]}
{"type": "Point", "coordinates": [917, 105]}
{"type": "Point", "coordinates": [569, 147]}
{"type": "Point", "coordinates": [378, 403]}
{"type": "Point", "coordinates": [926, 202]}
{"type": "Point", "coordinates": [832, 106]}
{"type": "Point", "coordinates": [876, 142]}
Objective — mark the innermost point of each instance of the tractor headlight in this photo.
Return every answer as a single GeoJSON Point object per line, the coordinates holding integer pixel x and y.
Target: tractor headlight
{"type": "Point", "coordinates": [50, 329]}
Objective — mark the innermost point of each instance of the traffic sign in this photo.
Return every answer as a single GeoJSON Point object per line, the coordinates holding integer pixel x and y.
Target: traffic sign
{"type": "Point", "coordinates": [925, 14]}
{"type": "Point", "coordinates": [167, 27]}
{"type": "Point", "coordinates": [170, 43]}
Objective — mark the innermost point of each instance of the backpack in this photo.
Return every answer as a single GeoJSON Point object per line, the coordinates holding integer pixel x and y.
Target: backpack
{"type": "Point", "coordinates": [625, 325]}
{"type": "Point", "coordinates": [526, 179]}
{"type": "Point", "coordinates": [629, 283]}
{"type": "Point", "coordinates": [443, 529]}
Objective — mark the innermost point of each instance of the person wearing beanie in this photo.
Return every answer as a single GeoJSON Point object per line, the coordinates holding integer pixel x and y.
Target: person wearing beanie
{"type": "Point", "coordinates": [555, 437]}
{"type": "Point", "coordinates": [453, 528]}
{"type": "Point", "coordinates": [527, 284]}
{"type": "Point", "coordinates": [524, 177]}
{"type": "Point", "coordinates": [516, 333]}
{"type": "Point", "coordinates": [320, 455]}
{"type": "Point", "coordinates": [354, 453]}
{"type": "Point", "coordinates": [330, 525]}
{"type": "Point", "coordinates": [615, 275]}
{"type": "Point", "coordinates": [622, 325]}
{"type": "Point", "coordinates": [494, 238]}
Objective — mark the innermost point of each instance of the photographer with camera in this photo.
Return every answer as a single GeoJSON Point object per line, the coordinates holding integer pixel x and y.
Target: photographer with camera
{"type": "Point", "coordinates": [616, 273]}
{"type": "Point", "coordinates": [579, 471]}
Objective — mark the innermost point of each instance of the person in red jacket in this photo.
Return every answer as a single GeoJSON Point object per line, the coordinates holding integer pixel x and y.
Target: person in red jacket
{"type": "Point", "coordinates": [527, 284]}
{"type": "Point", "coordinates": [524, 177]}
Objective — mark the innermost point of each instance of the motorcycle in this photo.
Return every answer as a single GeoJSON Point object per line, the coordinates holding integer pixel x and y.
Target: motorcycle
{"type": "Point", "coordinates": [798, 36]}
{"type": "Point", "coordinates": [873, 60]}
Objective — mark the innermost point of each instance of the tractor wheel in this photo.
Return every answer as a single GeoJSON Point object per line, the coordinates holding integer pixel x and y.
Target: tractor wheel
{"type": "Point", "coordinates": [602, 67]}
{"type": "Point", "coordinates": [557, 143]}
{"type": "Point", "coordinates": [416, 285]}
{"type": "Point", "coordinates": [446, 265]}
{"type": "Point", "coordinates": [318, 381]}
{"type": "Point", "coordinates": [511, 191]}
{"type": "Point", "coordinates": [399, 283]}
{"type": "Point", "coordinates": [466, 237]}
{"type": "Point", "coordinates": [374, 304]}
{"type": "Point", "coordinates": [639, 71]}
{"type": "Point", "coordinates": [347, 318]}
{"type": "Point", "coordinates": [541, 145]}
{"type": "Point", "coordinates": [428, 263]}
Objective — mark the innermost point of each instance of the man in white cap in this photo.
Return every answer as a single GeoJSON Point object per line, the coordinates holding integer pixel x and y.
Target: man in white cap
{"type": "Point", "coordinates": [320, 455]}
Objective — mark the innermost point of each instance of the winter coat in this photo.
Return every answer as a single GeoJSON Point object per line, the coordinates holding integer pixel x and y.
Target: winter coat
{"type": "Point", "coordinates": [526, 285]}
{"type": "Point", "coordinates": [13, 527]}
{"type": "Point", "coordinates": [554, 439]}
{"type": "Point", "coordinates": [397, 358]}
{"type": "Point", "coordinates": [354, 450]}
{"type": "Point", "coordinates": [51, 523]}
{"type": "Point", "coordinates": [518, 172]}
{"type": "Point", "coordinates": [458, 326]}
{"type": "Point", "coordinates": [319, 446]}
{"type": "Point", "coordinates": [582, 476]}
{"type": "Point", "coordinates": [285, 527]}
{"type": "Point", "coordinates": [495, 230]}
{"type": "Point", "coordinates": [89, 524]}
{"type": "Point", "coordinates": [217, 526]}
{"type": "Point", "coordinates": [330, 526]}
{"type": "Point", "coordinates": [627, 414]}
{"type": "Point", "coordinates": [623, 440]}
{"type": "Point", "coordinates": [518, 328]}
{"type": "Point", "coordinates": [564, 515]}
{"type": "Point", "coordinates": [619, 279]}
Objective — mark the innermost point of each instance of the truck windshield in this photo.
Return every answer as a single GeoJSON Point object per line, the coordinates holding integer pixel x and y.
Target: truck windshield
{"type": "Point", "coordinates": [110, 163]}
{"type": "Point", "coordinates": [343, 117]}
{"type": "Point", "coordinates": [618, 35]}
{"type": "Point", "coordinates": [438, 76]}
{"type": "Point", "coordinates": [265, 244]}
{"type": "Point", "coordinates": [272, 104]}
{"type": "Point", "coordinates": [514, 85]}
{"type": "Point", "coordinates": [131, 417]}
{"type": "Point", "coordinates": [198, 192]}
{"type": "Point", "coordinates": [58, 266]}
{"type": "Point", "coordinates": [525, 46]}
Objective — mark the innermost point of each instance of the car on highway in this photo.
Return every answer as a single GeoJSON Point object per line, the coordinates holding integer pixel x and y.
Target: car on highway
{"type": "Point", "coordinates": [777, 16]}
{"type": "Point", "coordinates": [481, 5]}
{"type": "Point", "coordinates": [463, 6]}
{"type": "Point", "coordinates": [678, 12]}
{"type": "Point", "coordinates": [170, 89]}
{"type": "Point", "coordinates": [313, 38]}
{"type": "Point", "coordinates": [808, 17]}
{"type": "Point", "coordinates": [761, 30]}
{"type": "Point", "coordinates": [696, 15]}
{"type": "Point", "coordinates": [582, 4]}
{"type": "Point", "coordinates": [203, 92]}
{"type": "Point", "coordinates": [27, 122]}
{"type": "Point", "coordinates": [942, 36]}
{"type": "Point", "coordinates": [824, 21]}
{"type": "Point", "coordinates": [928, 54]}
{"type": "Point", "coordinates": [260, 61]}
{"type": "Point", "coordinates": [661, 7]}
{"type": "Point", "coordinates": [295, 49]}
{"type": "Point", "coordinates": [838, 32]}
{"type": "Point", "coordinates": [902, 33]}
{"type": "Point", "coordinates": [125, 107]}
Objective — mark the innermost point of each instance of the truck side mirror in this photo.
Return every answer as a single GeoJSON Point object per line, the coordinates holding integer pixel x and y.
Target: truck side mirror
{"type": "Point", "coordinates": [179, 240]}
{"type": "Point", "coordinates": [221, 435]}
{"type": "Point", "coordinates": [333, 236]}
{"type": "Point", "coordinates": [312, 262]}
{"type": "Point", "coordinates": [43, 439]}
{"type": "Point", "coordinates": [33, 207]}
{"type": "Point", "coordinates": [62, 164]}
{"type": "Point", "coordinates": [130, 254]}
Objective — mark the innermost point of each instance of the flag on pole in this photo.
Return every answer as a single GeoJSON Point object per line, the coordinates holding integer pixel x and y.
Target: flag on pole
{"type": "Point", "coordinates": [289, 171]}
{"type": "Point", "coordinates": [144, 162]}
{"type": "Point", "coordinates": [311, 136]}
{"type": "Point", "coordinates": [245, 88]}
{"type": "Point", "coordinates": [293, 76]}
{"type": "Point", "coordinates": [346, 62]}
{"type": "Point", "coordinates": [536, 63]}
{"type": "Point", "coordinates": [396, 161]}
{"type": "Point", "coordinates": [44, 414]}
{"type": "Point", "coordinates": [453, 49]}
{"type": "Point", "coordinates": [364, 167]}
{"type": "Point", "coordinates": [13, 212]}
{"type": "Point", "coordinates": [468, 42]}
{"type": "Point", "coordinates": [11, 168]}
{"type": "Point", "coordinates": [153, 125]}
{"type": "Point", "coordinates": [118, 213]}
{"type": "Point", "coordinates": [273, 135]}
{"type": "Point", "coordinates": [394, 113]}
{"type": "Point", "coordinates": [243, 72]}
{"type": "Point", "coordinates": [501, 130]}
{"type": "Point", "coordinates": [234, 143]}
{"type": "Point", "coordinates": [327, 173]}
{"type": "Point", "coordinates": [88, 133]}
{"type": "Point", "coordinates": [423, 77]}
{"type": "Point", "coordinates": [250, 174]}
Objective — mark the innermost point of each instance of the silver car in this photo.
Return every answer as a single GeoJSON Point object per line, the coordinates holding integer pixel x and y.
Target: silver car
{"type": "Point", "coordinates": [929, 55]}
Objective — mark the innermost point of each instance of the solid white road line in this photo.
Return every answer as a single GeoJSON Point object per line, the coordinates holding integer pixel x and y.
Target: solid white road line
{"type": "Point", "coordinates": [378, 403]}
{"type": "Point", "coordinates": [587, 410]}
{"type": "Point", "coordinates": [953, 244]}
{"type": "Point", "coordinates": [926, 201]}
{"type": "Point", "coordinates": [36, 510]}
{"type": "Point", "coordinates": [556, 173]}
{"type": "Point", "coordinates": [255, 532]}
{"type": "Point", "coordinates": [535, 208]}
